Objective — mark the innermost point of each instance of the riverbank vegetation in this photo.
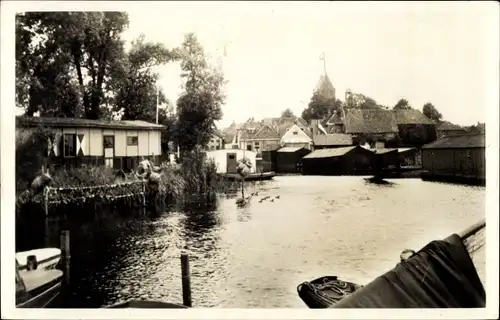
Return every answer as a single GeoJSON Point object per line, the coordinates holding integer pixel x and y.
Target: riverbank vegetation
{"type": "Point", "coordinates": [85, 69]}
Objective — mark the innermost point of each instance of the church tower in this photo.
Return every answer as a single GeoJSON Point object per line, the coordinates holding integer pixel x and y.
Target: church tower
{"type": "Point", "coordinates": [325, 87]}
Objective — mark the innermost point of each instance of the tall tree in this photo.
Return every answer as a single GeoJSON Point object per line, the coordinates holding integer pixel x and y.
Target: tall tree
{"type": "Point", "coordinates": [135, 83]}
{"type": "Point", "coordinates": [402, 104]}
{"type": "Point", "coordinates": [320, 107]}
{"type": "Point", "coordinates": [63, 60]}
{"type": "Point", "coordinates": [287, 113]}
{"type": "Point", "coordinates": [431, 112]}
{"type": "Point", "coordinates": [199, 106]}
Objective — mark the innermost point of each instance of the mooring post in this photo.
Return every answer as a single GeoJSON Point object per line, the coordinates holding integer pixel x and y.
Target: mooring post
{"type": "Point", "coordinates": [186, 281]}
{"type": "Point", "coordinates": [65, 254]}
{"type": "Point", "coordinates": [46, 200]}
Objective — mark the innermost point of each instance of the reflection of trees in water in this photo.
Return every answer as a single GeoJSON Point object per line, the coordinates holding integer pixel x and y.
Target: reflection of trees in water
{"type": "Point", "coordinates": [201, 216]}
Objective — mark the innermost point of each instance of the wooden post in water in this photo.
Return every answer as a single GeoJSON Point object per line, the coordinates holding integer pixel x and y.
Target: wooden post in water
{"type": "Point", "coordinates": [65, 254]}
{"type": "Point", "coordinates": [186, 281]}
{"type": "Point", "coordinates": [46, 200]}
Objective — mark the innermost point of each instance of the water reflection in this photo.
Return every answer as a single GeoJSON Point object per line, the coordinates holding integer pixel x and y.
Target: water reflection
{"type": "Point", "coordinates": [256, 256]}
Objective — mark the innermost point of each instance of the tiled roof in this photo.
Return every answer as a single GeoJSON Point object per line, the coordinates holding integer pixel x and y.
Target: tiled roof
{"type": "Point", "coordinates": [87, 123]}
{"type": "Point", "coordinates": [448, 126]}
{"type": "Point", "coordinates": [332, 139]}
{"type": "Point", "coordinates": [458, 141]}
{"type": "Point", "coordinates": [411, 116]}
{"type": "Point", "coordinates": [266, 132]}
{"type": "Point", "coordinates": [370, 121]}
{"type": "Point", "coordinates": [329, 153]}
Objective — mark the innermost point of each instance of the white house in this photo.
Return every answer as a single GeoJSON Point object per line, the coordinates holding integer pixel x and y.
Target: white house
{"type": "Point", "coordinates": [296, 137]}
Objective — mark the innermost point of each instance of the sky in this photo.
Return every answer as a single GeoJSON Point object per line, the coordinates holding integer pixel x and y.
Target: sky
{"type": "Point", "coordinates": [423, 52]}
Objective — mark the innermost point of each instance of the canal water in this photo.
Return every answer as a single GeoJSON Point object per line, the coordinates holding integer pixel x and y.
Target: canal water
{"type": "Point", "coordinates": [256, 256]}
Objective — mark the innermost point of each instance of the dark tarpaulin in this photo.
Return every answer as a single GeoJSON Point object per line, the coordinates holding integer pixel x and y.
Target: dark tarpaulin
{"type": "Point", "coordinates": [440, 275]}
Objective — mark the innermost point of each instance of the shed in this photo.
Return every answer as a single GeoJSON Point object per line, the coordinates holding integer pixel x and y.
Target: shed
{"type": "Point", "coordinates": [338, 161]}
{"type": "Point", "coordinates": [118, 144]}
{"type": "Point", "coordinates": [385, 158]}
{"type": "Point", "coordinates": [456, 156]}
{"type": "Point", "coordinates": [289, 159]}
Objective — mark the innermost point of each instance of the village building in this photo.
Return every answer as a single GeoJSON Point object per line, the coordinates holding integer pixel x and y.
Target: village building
{"type": "Point", "coordinates": [446, 128]}
{"type": "Point", "coordinates": [296, 137]}
{"type": "Point", "coordinates": [289, 159]}
{"type": "Point", "coordinates": [332, 140]}
{"type": "Point", "coordinates": [226, 160]}
{"type": "Point", "coordinates": [456, 157]}
{"type": "Point", "coordinates": [414, 128]}
{"type": "Point", "coordinates": [115, 144]}
{"type": "Point", "coordinates": [338, 161]}
{"type": "Point", "coordinates": [216, 141]}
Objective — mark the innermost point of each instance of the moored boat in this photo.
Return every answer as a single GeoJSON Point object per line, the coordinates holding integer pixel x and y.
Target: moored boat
{"type": "Point", "coordinates": [257, 176]}
{"type": "Point", "coordinates": [38, 282]}
{"type": "Point", "coordinates": [440, 275]}
{"type": "Point", "coordinates": [146, 304]}
{"type": "Point", "coordinates": [325, 291]}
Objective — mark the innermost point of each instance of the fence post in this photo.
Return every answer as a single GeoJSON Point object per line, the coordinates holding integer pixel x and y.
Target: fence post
{"type": "Point", "coordinates": [186, 281]}
{"type": "Point", "coordinates": [65, 254]}
{"type": "Point", "coordinates": [46, 200]}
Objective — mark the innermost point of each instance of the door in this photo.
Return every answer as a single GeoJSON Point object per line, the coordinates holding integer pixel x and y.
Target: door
{"type": "Point", "coordinates": [109, 150]}
{"type": "Point", "coordinates": [231, 163]}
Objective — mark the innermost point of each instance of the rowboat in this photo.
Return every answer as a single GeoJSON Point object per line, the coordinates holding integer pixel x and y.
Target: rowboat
{"type": "Point", "coordinates": [146, 304]}
{"type": "Point", "coordinates": [257, 176]}
{"type": "Point", "coordinates": [38, 281]}
{"type": "Point", "coordinates": [440, 275]}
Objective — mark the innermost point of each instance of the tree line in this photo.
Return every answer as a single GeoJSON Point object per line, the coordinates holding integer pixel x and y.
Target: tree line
{"type": "Point", "coordinates": [320, 107]}
{"type": "Point", "coordinates": [76, 65]}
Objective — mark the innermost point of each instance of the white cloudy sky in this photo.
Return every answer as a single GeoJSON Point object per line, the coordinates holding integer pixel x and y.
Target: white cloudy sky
{"type": "Point", "coordinates": [424, 52]}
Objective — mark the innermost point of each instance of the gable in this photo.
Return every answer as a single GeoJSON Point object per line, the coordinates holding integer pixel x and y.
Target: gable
{"type": "Point", "coordinates": [295, 135]}
{"type": "Point", "coordinates": [266, 132]}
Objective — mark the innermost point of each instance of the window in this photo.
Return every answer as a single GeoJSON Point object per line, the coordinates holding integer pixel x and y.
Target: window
{"type": "Point", "coordinates": [295, 133]}
{"type": "Point", "coordinates": [70, 145]}
{"type": "Point", "coordinates": [108, 142]}
{"type": "Point", "coordinates": [249, 147]}
{"type": "Point", "coordinates": [132, 141]}
{"type": "Point", "coordinates": [257, 143]}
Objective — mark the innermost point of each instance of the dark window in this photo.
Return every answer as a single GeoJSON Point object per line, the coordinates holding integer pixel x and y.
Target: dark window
{"type": "Point", "coordinates": [70, 145]}
{"type": "Point", "coordinates": [249, 147]}
{"type": "Point", "coordinates": [257, 143]}
{"type": "Point", "coordinates": [295, 133]}
{"type": "Point", "coordinates": [108, 141]}
{"type": "Point", "coordinates": [232, 157]}
{"type": "Point", "coordinates": [132, 141]}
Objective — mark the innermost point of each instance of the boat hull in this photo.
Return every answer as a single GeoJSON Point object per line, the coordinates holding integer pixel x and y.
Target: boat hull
{"type": "Point", "coordinates": [325, 292]}
{"type": "Point", "coordinates": [251, 177]}
{"type": "Point", "coordinates": [145, 304]}
{"type": "Point", "coordinates": [47, 258]}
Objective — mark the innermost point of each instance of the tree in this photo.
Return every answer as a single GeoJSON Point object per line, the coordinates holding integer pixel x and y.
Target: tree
{"type": "Point", "coordinates": [431, 112]}
{"type": "Point", "coordinates": [287, 113]}
{"type": "Point", "coordinates": [135, 83]}
{"type": "Point", "coordinates": [199, 106]}
{"type": "Point", "coordinates": [402, 105]}
{"type": "Point", "coordinates": [320, 107]}
{"type": "Point", "coordinates": [360, 101]}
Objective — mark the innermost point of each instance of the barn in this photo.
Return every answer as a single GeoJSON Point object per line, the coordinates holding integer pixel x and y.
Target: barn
{"type": "Point", "coordinates": [456, 157]}
{"type": "Point", "coordinates": [116, 144]}
{"type": "Point", "coordinates": [338, 161]}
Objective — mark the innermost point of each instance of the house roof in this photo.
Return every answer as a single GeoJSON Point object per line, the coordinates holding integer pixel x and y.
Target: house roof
{"type": "Point", "coordinates": [329, 153]}
{"type": "Point", "coordinates": [290, 149]}
{"type": "Point", "coordinates": [87, 123]}
{"type": "Point", "coordinates": [458, 141]}
{"type": "Point", "coordinates": [332, 139]}
{"type": "Point", "coordinates": [383, 150]}
{"type": "Point", "coordinates": [334, 118]}
{"type": "Point", "coordinates": [370, 121]}
{"type": "Point", "coordinates": [265, 132]}
{"type": "Point", "coordinates": [448, 126]}
{"type": "Point", "coordinates": [411, 116]}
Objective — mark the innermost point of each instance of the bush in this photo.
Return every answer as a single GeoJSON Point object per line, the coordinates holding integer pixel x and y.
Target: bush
{"type": "Point", "coordinates": [31, 154]}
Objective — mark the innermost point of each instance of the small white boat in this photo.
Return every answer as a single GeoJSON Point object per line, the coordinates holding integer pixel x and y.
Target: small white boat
{"type": "Point", "coordinates": [38, 282]}
{"type": "Point", "coordinates": [46, 258]}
